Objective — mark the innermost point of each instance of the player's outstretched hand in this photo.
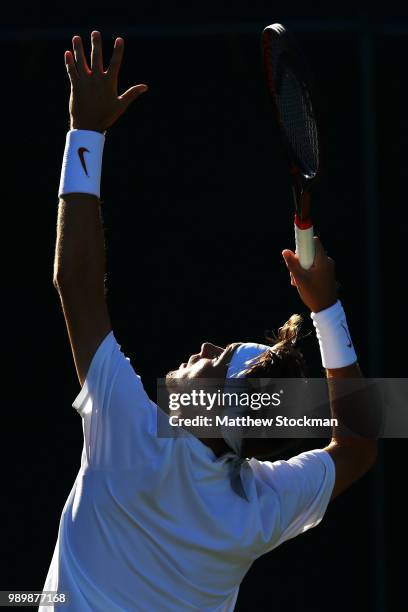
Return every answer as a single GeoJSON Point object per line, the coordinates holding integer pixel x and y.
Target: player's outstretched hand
{"type": "Point", "coordinates": [94, 103]}
{"type": "Point", "coordinates": [317, 286]}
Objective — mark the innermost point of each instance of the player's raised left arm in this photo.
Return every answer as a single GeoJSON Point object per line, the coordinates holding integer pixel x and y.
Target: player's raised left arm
{"type": "Point", "coordinates": [79, 266]}
{"type": "Point", "coordinates": [353, 447]}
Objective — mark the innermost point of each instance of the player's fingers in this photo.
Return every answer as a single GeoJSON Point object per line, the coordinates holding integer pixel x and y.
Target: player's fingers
{"type": "Point", "coordinates": [132, 93]}
{"type": "Point", "coordinates": [70, 66]}
{"type": "Point", "coordinates": [116, 59]}
{"type": "Point", "coordinates": [293, 264]}
{"type": "Point", "coordinates": [96, 52]}
{"type": "Point", "coordinates": [79, 54]}
{"type": "Point", "coordinates": [320, 253]}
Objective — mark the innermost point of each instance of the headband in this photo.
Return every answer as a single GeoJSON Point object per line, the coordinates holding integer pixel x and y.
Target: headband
{"type": "Point", "coordinates": [242, 358]}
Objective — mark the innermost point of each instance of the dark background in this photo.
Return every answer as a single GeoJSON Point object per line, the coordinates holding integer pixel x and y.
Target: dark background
{"type": "Point", "coordinates": [196, 207]}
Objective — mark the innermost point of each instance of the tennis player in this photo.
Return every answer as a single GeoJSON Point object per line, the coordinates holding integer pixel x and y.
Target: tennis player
{"type": "Point", "coordinates": [155, 524]}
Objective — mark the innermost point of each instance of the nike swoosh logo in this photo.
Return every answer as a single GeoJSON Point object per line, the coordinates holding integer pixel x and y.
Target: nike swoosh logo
{"type": "Point", "coordinates": [349, 344]}
{"type": "Point", "coordinates": [81, 152]}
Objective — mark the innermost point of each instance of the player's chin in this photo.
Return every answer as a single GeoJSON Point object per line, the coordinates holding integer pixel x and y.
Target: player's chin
{"type": "Point", "coordinates": [174, 378]}
{"type": "Point", "coordinates": [175, 381]}
{"type": "Point", "coordinates": [172, 375]}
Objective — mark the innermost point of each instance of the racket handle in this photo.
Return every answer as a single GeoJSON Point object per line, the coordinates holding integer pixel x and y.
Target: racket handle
{"type": "Point", "coordinates": [305, 248]}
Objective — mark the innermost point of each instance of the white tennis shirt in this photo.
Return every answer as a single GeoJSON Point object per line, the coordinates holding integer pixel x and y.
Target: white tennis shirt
{"type": "Point", "coordinates": [152, 524]}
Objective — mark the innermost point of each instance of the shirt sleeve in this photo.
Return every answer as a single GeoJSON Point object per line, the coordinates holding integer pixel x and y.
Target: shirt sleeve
{"type": "Point", "coordinates": [302, 488]}
{"type": "Point", "coordinates": [119, 420]}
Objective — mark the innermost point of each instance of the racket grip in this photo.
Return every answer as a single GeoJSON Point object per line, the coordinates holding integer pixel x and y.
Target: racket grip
{"type": "Point", "coordinates": [305, 248]}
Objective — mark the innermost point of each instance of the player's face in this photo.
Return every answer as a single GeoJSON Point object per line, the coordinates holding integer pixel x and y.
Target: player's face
{"type": "Point", "coordinates": [211, 362]}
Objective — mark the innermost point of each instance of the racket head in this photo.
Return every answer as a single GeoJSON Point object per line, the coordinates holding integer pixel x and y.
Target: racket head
{"type": "Point", "coordinates": [289, 82]}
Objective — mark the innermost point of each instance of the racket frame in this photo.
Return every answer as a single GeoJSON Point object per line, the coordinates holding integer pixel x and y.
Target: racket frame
{"type": "Point", "coordinates": [301, 179]}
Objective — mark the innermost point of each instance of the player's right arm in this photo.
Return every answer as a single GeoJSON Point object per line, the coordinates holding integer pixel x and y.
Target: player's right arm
{"type": "Point", "coordinates": [353, 455]}
{"type": "Point", "coordinates": [79, 266]}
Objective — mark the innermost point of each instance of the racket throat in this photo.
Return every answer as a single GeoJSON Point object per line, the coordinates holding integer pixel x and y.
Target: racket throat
{"type": "Point", "coordinates": [303, 223]}
{"type": "Point", "coordinates": [305, 248]}
{"type": "Point", "coordinates": [302, 206]}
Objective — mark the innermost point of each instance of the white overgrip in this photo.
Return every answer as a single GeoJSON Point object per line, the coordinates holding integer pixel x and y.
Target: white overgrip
{"type": "Point", "coordinates": [305, 248]}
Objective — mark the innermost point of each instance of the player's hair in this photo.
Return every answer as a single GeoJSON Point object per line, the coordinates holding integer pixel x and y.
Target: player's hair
{"type": "Point", "coordinates": [282, 360]}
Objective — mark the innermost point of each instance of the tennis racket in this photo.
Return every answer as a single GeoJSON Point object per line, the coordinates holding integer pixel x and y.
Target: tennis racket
{"type": "Point", "coordinates": [288, 79]}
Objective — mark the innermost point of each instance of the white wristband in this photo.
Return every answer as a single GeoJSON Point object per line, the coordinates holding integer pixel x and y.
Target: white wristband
{"type": "Point", "coordinates": [336, 346]}
{"type": "Point", "coordinates": [82, 163]}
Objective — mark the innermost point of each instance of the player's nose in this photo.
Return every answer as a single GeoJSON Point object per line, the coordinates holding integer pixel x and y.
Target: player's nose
{"type": "Point", "coordinates": [210, 351]}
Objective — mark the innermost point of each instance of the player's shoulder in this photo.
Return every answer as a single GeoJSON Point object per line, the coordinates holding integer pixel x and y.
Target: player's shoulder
{"type": "Point", "coordinates": [313, 464]}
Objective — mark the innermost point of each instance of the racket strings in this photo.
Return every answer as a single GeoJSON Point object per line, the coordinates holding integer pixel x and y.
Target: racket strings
{"type": "Point", "coordinates": [298, 121]}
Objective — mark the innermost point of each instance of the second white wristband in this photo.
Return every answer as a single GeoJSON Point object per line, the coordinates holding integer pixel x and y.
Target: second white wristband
{"type": "Point", "coordinates": [336, 346]}
{"type": "Point", "coordinates": [82, 163]}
